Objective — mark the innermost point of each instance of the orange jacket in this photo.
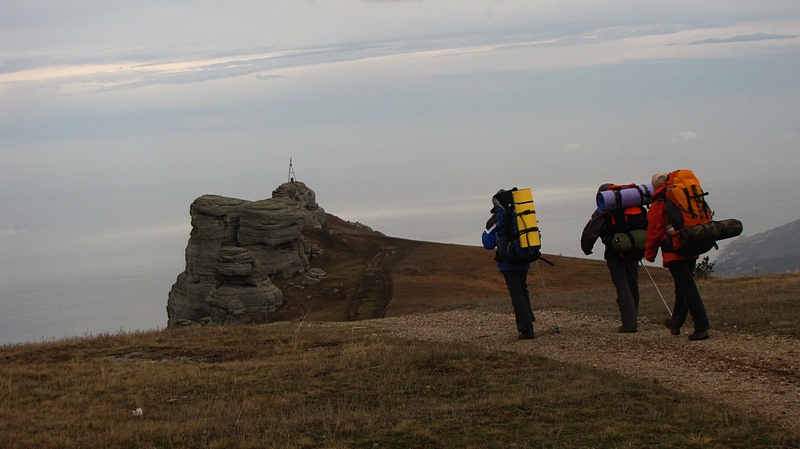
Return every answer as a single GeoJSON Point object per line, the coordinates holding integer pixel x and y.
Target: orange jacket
{"type": "Point", "coordinates": [657, 230]}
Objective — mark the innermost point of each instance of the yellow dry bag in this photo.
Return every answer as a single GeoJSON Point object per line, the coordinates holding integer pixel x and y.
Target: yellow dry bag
{"type": "Point", "coordinates": [527, 226]}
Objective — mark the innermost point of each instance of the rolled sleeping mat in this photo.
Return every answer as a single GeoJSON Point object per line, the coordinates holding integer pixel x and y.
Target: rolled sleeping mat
{"type": "Point", "coordinates": [712, 231]}
{"type": "Point", "coordinates": [527, 225]}
{"type": "Point", "coordinates": [628, 196]}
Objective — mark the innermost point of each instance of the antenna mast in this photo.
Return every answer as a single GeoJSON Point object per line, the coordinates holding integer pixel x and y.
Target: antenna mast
{"type": "Point", "coordinates": [291, 171]}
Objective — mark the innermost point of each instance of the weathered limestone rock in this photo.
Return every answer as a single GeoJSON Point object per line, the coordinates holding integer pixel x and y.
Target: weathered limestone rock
{"type": "Point", "coordinates": [314, 276]}
{"type": "Point", "coordinates": [243, 293]}
{"type": "Point", "coordinates": [271, 230]}
{"type": "Point", "coordinates": [234, 248]}
{"type": "Point", "coordinates": [313, 250]}
{"type": "Point", "coordinates": [215, 222]}
{"type": "Point", "coordinates": [304, 200]}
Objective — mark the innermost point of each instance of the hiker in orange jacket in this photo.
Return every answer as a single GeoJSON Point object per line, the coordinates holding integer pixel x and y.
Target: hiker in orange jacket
{"type": "Point", "coordinates": [687, 297]}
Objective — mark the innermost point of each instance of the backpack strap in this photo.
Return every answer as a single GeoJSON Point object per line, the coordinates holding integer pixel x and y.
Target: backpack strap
{"type": "Point", "coordinates": [617, 189]}
{"type": "Point", "coordinates": [644, 192]}
{"type": "Point", "coordinates": [526, 230]}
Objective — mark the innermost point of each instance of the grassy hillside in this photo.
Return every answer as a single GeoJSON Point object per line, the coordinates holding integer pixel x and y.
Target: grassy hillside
{"type": "Point", "coordinates": [294, 384]}
{"type": "Point", "coordinates": [371, 275]}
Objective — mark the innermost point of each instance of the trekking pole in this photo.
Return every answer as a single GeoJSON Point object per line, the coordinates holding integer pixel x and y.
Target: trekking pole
{"type": "Point", "coordinates": [547, 296]}
{"type": "Point", "coordinates": [656, 286]}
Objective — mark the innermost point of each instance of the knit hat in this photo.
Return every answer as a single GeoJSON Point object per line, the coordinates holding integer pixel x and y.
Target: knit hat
{"type": "Point", "coordinates": [495, 200]}
{"type": "Point", "coordinates": [658, 179]}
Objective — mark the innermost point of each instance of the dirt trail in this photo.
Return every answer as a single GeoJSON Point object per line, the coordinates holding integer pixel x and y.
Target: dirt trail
{"type": "Point", "coordinates": [758, 375]}
{"type": "Point", "coordinates": [374, 290]}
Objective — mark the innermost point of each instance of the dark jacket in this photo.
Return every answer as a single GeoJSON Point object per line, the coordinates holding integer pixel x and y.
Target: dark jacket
{"type": "Point", "coordinates": [489, 239]}
{"type": "Point", "coordinates": [592, 231]}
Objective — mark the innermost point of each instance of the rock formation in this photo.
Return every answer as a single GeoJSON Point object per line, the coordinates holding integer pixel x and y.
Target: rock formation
{"type": "Point", "coordinates": [234, 248]}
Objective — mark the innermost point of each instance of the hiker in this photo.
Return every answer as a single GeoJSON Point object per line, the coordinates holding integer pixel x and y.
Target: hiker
{"type": "Point", "coordinates": [623, 267]}
{"type": "Point", "coordinates": [516, 276]}
{"type": "Point", "coordinates": [687, 297]}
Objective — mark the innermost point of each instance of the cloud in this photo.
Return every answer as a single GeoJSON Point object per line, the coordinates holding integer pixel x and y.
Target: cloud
{"type": "Point", "coordinates": [683, 137]}
{"type": "Point", "coordinates": [744, 38]}
{"type": "Point", "coordinates": [517, 48]}
{"type": "Point", "coordinates": [159, 69]}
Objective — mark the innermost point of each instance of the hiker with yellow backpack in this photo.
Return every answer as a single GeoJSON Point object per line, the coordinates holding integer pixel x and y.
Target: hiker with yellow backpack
{"type": "Point", "coordinates": [512, 230]}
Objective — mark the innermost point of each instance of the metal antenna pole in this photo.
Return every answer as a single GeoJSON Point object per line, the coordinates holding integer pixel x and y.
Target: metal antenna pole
{"type": "Point", "coordinates": [291, 171]}
{"type": "Point", "coordinates": [547, 296]}
{"type": "Point", "coordinates": [656, 286]}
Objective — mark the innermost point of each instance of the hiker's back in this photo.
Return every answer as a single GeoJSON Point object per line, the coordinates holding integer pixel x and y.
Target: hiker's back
{"type": "Point", "coordinates": [692, 230]}
{"type": "Point", "coordinates": [518, 237]}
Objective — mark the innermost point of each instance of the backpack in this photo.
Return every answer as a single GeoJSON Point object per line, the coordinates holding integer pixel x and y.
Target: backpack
{"type": "Point", "coordinates": [625, 229]}
{"type": "Point", "coordinates": [693, 230]}
{"type": "Point", "coordinates": [518, 236]}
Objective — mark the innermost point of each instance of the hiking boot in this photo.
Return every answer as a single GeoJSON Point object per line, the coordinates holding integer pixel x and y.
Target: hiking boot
{"type": "Point", "coordinates": [671, 326]}
{"type": "Point", "coordinates": [699, 335]}
{"type": "Point", "coordinates": [526, 336]}
{"type": "Point", "coordinates": [626, 330]}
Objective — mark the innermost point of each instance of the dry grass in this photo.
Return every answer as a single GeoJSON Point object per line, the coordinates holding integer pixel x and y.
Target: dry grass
{"type": "Point", "coordinates": [273, 387]}
{"type": "Point", "coordinates": [765, 305]}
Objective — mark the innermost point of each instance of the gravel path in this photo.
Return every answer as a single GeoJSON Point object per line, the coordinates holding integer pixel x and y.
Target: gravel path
{"type": "Point", "coordinates": [759, 375]}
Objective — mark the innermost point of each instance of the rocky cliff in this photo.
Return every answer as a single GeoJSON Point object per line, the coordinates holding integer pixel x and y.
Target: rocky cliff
{"type": "Point", "coordinates": [234, 248]}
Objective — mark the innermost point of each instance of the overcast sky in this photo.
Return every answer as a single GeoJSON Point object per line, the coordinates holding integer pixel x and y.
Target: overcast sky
{"type": "Point", "coordinates": [403, 115]}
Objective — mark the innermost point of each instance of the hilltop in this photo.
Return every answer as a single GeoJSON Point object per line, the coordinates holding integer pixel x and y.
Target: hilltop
{"type": "Point", "coordinates": [371, 275]}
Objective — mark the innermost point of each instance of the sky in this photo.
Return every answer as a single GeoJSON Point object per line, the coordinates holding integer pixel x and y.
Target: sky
{"type": "Point", "coordinates": [405, 116]}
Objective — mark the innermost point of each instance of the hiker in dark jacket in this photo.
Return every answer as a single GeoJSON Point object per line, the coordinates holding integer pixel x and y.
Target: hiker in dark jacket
{"type": "Point", "coordinates": [516, 276]}
{"type": "Point", "coordinates": [687, 297]}
{"type": "Point", "coordinates": [624, 271]}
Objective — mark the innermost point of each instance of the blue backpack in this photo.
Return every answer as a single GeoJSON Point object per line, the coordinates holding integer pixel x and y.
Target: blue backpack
{"type": "Point", "coordinates": [515, 245]}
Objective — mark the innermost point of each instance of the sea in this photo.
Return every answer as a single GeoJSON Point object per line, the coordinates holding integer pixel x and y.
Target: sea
{"type": "Point", "coordinates": [55, 310]}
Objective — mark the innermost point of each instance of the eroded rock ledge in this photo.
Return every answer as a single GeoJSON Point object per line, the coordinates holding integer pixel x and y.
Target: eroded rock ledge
{"type": "Point", "coordinates": [235, 247]}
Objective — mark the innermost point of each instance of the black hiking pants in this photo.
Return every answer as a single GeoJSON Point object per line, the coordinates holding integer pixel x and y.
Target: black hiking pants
{"type": "Point", "coordinates": [517, 282]}
{"type": "Point", "coordinates": [625, 276]}
{"type": "Point", "coordinates": [687, 297]}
